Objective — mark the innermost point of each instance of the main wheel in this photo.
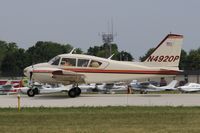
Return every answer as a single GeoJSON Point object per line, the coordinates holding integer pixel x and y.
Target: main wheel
{"type": "Point", "coordinates": [30, 93]}
{"type": "Point", "coordinates": [36, 91]}
{"type": "Point", "coordinates": [78, 91]}
{"type": "Point", "coordinates": [72, 92]}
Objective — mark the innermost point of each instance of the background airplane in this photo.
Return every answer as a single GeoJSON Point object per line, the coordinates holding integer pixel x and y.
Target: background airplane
{"type": "Point", "coordinates": [145, 87]}
{"type": "Point", "coordinates": [11, 87]}
{"type": "Point", "coordinates": [189, 87]}
{"type": "Point", "coordinates": [76, 69]}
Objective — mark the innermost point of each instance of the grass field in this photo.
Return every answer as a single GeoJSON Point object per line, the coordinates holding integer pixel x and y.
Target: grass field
{"type": "Point", "coordinates": [101, 120]}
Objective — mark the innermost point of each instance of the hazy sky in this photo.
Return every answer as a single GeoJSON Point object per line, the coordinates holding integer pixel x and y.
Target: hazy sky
{"type": "Point", "coordinates": [139, 24]}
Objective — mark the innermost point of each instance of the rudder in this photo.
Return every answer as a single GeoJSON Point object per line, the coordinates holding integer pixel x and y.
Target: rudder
{"type": "Point", "coordinates": [167, 53]}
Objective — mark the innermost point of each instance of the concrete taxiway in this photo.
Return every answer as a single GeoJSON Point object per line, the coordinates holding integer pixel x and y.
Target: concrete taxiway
{"type": "Point", "coordinates": [62, 100]}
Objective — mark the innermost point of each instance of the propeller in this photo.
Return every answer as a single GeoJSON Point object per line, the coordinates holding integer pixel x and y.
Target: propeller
{"type": "Point", "coordinates": [31, 76]}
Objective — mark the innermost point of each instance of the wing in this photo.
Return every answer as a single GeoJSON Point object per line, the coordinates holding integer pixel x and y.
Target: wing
{"type": "Point", "coordinates": [68, 77]}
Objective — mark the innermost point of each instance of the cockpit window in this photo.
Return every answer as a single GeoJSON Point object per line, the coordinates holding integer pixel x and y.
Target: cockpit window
{"type": "Point", "coordinates": [55, 61]}
{"type": "Point", "coordinates": [83, 62]}
{"type": "Point", "coordinates": [95, 64]}
{"type": "Point", "coordinates": [68, 62]}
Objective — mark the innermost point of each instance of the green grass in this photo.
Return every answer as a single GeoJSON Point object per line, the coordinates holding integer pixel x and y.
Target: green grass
{"type": "Point", "coordinates": [101, 120]}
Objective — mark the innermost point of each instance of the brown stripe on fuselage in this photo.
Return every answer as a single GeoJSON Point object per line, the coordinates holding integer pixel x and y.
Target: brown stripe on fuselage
{"type": "Point", "coordinates": [160, 72]}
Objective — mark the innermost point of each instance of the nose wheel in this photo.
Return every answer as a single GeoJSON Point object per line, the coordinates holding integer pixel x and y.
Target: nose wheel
{"type": "Point", "coordinates": [75, 91]}
{"type": "Point", "coordinates": [31, 93]}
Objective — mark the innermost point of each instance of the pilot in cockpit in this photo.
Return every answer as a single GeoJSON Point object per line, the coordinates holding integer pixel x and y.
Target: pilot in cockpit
{"type": "Point", "coordinates": [65, 63]}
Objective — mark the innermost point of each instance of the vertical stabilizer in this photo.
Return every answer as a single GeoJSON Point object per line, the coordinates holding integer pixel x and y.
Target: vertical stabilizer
{"type": "Point", "coordinates": [167, 53]}
{"type": "Point", "coordinates": [172, 84]}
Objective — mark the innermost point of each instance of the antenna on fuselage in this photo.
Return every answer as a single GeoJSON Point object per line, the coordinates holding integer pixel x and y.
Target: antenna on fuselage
{"type": "Point", "coordinates": [109, 58]}
{"type": "Point", "coordinates": [71, 52]}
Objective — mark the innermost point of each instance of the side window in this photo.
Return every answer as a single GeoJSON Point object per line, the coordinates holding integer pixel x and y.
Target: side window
{"type": "Point", "coordinates": [68, 62]}
{"type": "Point", "coordinates": [83, 62]}
{"type": "Point", "coordinates": [56, 61]}
{"type": "Point", "coordinates": [95, 64]}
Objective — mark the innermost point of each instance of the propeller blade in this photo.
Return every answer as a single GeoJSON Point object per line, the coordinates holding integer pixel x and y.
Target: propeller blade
{"type": "Point", "coordinates": [31, 74]}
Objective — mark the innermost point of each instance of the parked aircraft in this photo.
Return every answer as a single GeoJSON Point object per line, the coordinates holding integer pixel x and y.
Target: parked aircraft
{"type": "Point", "coordinates": [11, 87]}
{"type": "Point", "coordinates": [77, 68]}
{"type": "Point", "coordinates": [118, 87]}
{"type": "Point", "coordinates": [145, 87]}
{"type": "Point", "coordinates": [190, 87]}
{"type": "Point", "coordinates": [7, 89]}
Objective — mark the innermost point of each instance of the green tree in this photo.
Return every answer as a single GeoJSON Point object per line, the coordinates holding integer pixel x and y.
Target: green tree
{"type": "Point", "coordinates": [104, 51]}
{"type": "Point", "coordinates": [78, 51]}
{"type": "Point", "coordinates": [193, 60]}
{"type": "Point", "coordinates": [44, 51]}
{"type": "Point", "coordinates": [123, 56]}
{"type": "Point", "coordinates": [183, 60]}
{"type": "Point", "coordinates": [14, 63]}
{"type": "Point", "coordinates": [3, 50]}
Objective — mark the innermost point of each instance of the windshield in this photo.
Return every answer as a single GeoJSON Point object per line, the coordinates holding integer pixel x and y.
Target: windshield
{"type": "Point", "coordinates": [54, 61]}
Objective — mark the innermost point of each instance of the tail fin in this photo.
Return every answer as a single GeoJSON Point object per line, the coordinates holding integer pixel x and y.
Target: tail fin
{"type": "Point", "coordinates": [167, 53]}
{"type": "Point", "coordinates": [172, 84]}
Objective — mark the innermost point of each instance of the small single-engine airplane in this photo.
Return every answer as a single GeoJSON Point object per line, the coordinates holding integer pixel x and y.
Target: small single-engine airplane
{"type": "Point", "coordinates": [145, 87]}
{"type": "Point", "coordinates": [7, 88]}
{"type": "Point", "coordinates": [190, 87]}
{"type": "Point", "coordinates": [78, 68]}
{"type": "Point", "coordinates": [11, 87]}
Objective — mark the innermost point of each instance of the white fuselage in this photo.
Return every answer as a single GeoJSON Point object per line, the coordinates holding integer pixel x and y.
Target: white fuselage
{"type": "Point", "coordinates": [78, 68]}
{"type": "Point", "coordinates": [109, 71]}
{"type": "Point", "coordinates": [190, 87]}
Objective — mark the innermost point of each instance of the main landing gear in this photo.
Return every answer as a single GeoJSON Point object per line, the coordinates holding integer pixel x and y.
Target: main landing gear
{"type": "Point", "coordinates": [32, 92]}
{"type": "Point", "coordinates": [75, 91]}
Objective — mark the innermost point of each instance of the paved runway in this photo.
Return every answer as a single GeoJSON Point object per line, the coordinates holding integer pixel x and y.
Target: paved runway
{"type": "Point", "coordinates": [62, 100]}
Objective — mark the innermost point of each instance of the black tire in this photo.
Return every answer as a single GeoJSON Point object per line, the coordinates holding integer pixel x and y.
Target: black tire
{"type": "Point", "coordinates": [78, 91]}
{"type": "Point", "coordinates": [36, 91]}
{"type": "Point", "coordinates": [31, 93]}
{"type": "Point", "coordinates": [72, 93]}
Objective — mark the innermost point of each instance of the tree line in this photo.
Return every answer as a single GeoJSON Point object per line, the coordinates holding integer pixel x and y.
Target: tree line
{"type": "Point", "coordinates": [14, 59]}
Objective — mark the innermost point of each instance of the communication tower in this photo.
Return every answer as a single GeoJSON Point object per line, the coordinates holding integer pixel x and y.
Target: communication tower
{"type": "Point", "coordinates": [108, 37]}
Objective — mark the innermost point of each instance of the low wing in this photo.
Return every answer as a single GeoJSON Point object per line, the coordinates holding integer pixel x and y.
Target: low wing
{"type": "Point", "coordinates": [68, 77]}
